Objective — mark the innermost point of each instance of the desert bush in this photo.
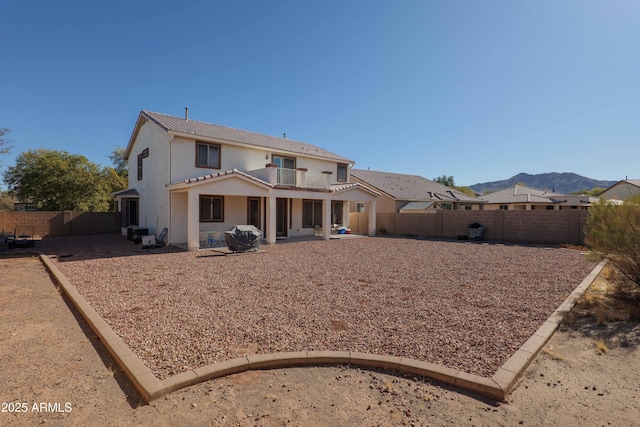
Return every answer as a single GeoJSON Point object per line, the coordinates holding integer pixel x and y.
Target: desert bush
{"type": "Point", "coordinates": [614, 230]}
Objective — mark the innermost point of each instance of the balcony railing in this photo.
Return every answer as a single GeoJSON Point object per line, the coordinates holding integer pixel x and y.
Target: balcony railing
{"type": "Point", "coordinates": [287, 177]}
{"type": "Point", "coordinates": [316, 180]}
{"type": "Point", "coordinates": [299, 178]}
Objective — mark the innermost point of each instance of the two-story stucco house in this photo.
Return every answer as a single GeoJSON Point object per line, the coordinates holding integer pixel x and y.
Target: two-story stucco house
{"type": "Point", "coordinates": [197, 179]}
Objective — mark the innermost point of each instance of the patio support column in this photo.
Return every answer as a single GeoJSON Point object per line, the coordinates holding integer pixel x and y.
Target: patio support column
{"type": "Point", "coordinates": [270, 209]}
{"type": "Point", "coordinates": [346, 221]}
{"type": "Point", "coordinates": [193, 221]}
{"type": "Point", "coordinates": [370, 207]}
{"type": "Point", "coordinates": [326, 218]}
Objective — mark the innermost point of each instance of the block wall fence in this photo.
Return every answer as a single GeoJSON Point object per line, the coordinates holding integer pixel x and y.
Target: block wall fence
{"type": "Point", "coordinates": [550, 227]}
{"type": "Point", "coordinates": [546, 227]}
{"type": "Point", "coordinates": [65, 223]}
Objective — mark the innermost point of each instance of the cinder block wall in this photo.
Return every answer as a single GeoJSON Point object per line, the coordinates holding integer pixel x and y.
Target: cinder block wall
{"type": "Point", "coordinates": [564, 226]}
{"type": "Point", "coordinates": [66, 223]}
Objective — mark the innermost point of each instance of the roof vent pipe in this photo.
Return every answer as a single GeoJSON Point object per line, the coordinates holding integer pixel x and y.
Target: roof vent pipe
{"type": "Point", "coordinates": [284, 135]}
{"type": "Point", "coordinates": [186, 113]}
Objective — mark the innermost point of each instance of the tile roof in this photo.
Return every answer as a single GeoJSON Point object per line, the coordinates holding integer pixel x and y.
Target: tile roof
{"type": "Point", "coordinates": [224, 133]}
{"type": "Point", "coordinates": [350, 185]}
{"type": "Point", "coordinates": [520, 194]}
{"type": "Point", "coordinates": [411, 187]}
{"type": "Point", "coordinates": [574, 200]}
{"type": "Point", "coordinates": [416, 206]}
{"type": "Point", "coordinates": [220, 175]}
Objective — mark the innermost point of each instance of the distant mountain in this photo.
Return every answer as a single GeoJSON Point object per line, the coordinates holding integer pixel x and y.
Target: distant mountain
{"type": "Point", "coordinates": [563, 183]}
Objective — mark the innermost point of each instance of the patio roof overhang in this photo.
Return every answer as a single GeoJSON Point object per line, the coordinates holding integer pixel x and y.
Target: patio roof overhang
{"type": "Point", "coordinates": [217, 177]}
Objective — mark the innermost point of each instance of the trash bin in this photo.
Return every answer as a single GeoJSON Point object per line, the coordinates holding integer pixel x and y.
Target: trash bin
{"type": "Point", "coordinates": [475, 231]}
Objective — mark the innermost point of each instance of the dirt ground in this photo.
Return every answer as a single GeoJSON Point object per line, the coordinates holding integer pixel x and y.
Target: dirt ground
{"type": "Point", "coordinates": [54, 371]}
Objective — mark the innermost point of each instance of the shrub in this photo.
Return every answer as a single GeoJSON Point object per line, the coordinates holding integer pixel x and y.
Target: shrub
{"type": "Point", "coordinates": [614, 230]}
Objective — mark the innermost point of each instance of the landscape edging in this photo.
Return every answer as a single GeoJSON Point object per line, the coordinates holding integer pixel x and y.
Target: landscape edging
{"type": "Point", "coordinates": [508, 374]}
{"type": "Point", "coordinates": [151, 388]}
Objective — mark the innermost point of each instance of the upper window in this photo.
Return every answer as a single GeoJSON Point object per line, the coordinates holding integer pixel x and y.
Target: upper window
{"type": "Point", "coordinates": [284, 162]}
{"type": "Point", "coordinates": [207, 155]}
{"type": "Point", "coordinates": [143, 155]}
{"type": "Point", "coordinates": [140, 166]}
{"type": "Point", "coordinates": [211, 208]}
{"type": "Point", "coordinates": [342, 172]}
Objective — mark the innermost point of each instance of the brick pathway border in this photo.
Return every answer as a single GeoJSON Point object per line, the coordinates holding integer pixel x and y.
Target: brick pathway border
{"type": "Point", "coordinates": [150, 387]}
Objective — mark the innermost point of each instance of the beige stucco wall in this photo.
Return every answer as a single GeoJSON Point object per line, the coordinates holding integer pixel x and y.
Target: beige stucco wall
{"type": "Point", "coordinates": [154, 198]}
{"type": "Point", "coordinates": [178, 228]}
{"type": "Point", "coordinates": [183, 160]}
{"type": "Point", "coordinates": [172, 160]}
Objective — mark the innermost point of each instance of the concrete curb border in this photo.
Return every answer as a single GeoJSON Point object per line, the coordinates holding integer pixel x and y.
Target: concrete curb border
{"type": "Point", "coordinates": [151, 388]}
{"type": "Point", "coordinates": [508, 374]}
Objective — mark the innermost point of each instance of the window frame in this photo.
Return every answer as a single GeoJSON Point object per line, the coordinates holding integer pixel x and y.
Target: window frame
{"type": "Point", "coordinates": [208, 165]}
{"type": "Point", "coordinates": [140, 157]}
{"type": "Point", "coordinates": [346, 172]}
{"type": "Point", "coordinates": [314, 209]}
{"type": "Point", "coordinates": [212, 217]}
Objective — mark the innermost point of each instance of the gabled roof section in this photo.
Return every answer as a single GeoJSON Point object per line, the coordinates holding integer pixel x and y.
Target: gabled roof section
{"type": "Point", "coordinates": [219, 175]}
{"type": "Point", "coordinates": [417, 206]}
{"type": "Point", "coordinates": [336, 188]}
{"type": "Point", "coordinates": [521, 194]}
{"type": "Point", "coordinates": [634, 182]}
{"type": "Point", "coordinates": [410, 187]}
{"type": "Point", "coordinates": [193, 128]}
{"type": "Point", "coordinates": [124, 193]}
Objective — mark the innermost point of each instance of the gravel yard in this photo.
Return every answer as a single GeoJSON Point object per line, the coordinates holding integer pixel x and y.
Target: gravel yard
{"type": "Point", "coordinates": [467, 306]}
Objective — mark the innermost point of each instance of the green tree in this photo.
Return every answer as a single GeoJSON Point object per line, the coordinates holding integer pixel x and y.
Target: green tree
{"type": "Point", "coordinates": [58, 180]}
{"type": "Point", "coordinates": [445, 180]}
{"type": "Point", "coordinates": [119, 162]}
{"type": "Point", "coordinates": [7, 201]}
{"type": "Point", "coordinates": [615, 232]}
{"type": "Point", "coordinates": [6, 144]}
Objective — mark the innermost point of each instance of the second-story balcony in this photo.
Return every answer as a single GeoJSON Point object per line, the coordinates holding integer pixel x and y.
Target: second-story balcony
{"type": "Point", "coordinates": [300, 178]}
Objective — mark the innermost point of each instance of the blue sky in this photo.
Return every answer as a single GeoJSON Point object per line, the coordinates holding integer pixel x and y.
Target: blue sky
{"type": "Point", "coordinates": [480, 90]}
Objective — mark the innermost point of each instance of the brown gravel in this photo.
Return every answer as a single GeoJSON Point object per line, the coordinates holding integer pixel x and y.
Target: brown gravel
{"type": "Point", "coordinates": [467, 306]}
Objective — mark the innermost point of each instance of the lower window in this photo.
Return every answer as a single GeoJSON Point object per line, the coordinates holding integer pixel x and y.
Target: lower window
{"type": "Point", "coordinates": [311, 213]}
{"type": "Point", "coordinates": [211, 208]}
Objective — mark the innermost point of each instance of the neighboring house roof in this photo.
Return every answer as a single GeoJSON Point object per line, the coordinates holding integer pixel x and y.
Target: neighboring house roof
{"type": "Point", "coordinates": [607, 194]}
{"type": "Point", "coordinates": [411, 187]}
{"type": "Point", "coordinates": [571, 200]}
{"type": "Point", "coordinates": [194, 128]}
{"type": "Point", "coordinates": [521, 194]}
{"type": "Point", "coordinates": [417, 206]}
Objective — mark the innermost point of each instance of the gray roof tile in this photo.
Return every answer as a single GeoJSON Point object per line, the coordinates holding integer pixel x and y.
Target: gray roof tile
{"type": "Point", "coordinates": [411, 187]}
{"type": "Point", "coordinates": [224, 133]}
{"type": "Point", "coordinates": [520, 194]}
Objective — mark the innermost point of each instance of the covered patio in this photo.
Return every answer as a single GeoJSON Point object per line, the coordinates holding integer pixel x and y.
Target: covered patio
{"type": "Point", "coordinates": [202, 208]}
